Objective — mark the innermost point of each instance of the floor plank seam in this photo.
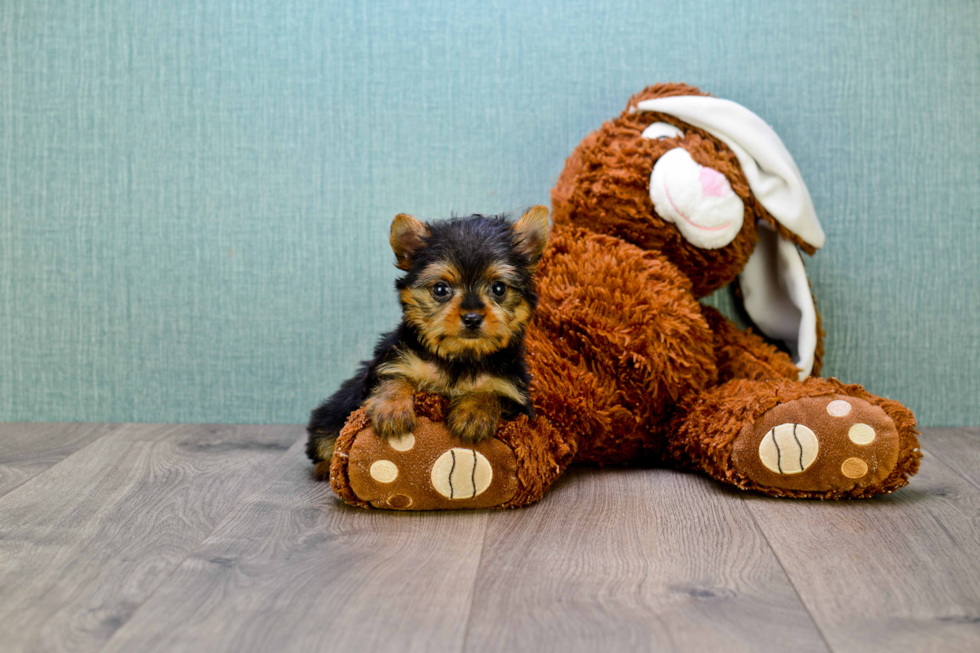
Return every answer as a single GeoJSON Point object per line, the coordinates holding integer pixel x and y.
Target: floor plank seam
{"type": "Point", "coordinates": [789, 579]}
{"type": "Point", "coordinates": [197, 547]}
{"type": "Point", "coordinates": [932, 456]}
{"type": "Point", "coordinates": [476, 580]}
{"type": "Point", "coordinates": [48, 470]}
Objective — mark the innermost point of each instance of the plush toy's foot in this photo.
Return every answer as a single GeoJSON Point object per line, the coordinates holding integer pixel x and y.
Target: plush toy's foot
{"type": "Point", "coordinates": [817, 438]}
{"type": "Point", "coordinates": [824, 444]}
{"type": "Point", "coordinates": [428, 469]}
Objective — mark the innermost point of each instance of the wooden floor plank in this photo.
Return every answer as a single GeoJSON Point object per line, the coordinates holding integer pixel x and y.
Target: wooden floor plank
{"type": "Point", "coordinates": [634, 560]}
{"type": "Point", "coordinates": [180, 538]}
{"type": "Point", "coordinates": [894, 573]}
{"type": "Point", "coordinates": [27, 449]}
{"type": "Point", "coordinates": [958, 448]}
{"type": "Point", "coordinates": [84, 543]}
{"type": "Point", "coordinates": [293, 569]}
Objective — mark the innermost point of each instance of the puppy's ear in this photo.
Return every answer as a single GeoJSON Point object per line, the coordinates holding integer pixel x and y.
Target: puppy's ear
{"type": "Point", "coordinates": [531, 233]}
{"type": "Point", "coordinates": [407, 237]}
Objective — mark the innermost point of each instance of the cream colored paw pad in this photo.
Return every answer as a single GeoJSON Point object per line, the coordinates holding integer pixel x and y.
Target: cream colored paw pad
{"type": "Point", "coordinates": [788, 449]}
{"type": "Point", "coordinates": [854, 468]}
{"type": "Point", "coordinates": [461, 474]}
{"type": "Point", "coordinates": [384, 471]}
{"type": "Point", "coordinates": [838, 408]}
{"type": "Point", "coordinates": [402, 442]}
{"type": "Point", "coordinates": [861, 434]}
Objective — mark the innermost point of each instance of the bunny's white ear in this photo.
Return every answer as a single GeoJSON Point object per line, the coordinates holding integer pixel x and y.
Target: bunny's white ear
{"type": "Point", "coordinates": [770, 170]}
{"type": "Point", "coordinates": [777, 297]}
{"type": "Point", "coordinates": [774, 285]}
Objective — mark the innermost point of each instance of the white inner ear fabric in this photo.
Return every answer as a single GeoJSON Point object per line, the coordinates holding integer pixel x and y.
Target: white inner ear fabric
{"type": "Point", "coordinates": [777, 297]}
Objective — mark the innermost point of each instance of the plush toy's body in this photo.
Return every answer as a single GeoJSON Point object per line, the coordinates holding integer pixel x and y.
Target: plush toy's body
{"type": "Point", "coordinates": [627, 365]}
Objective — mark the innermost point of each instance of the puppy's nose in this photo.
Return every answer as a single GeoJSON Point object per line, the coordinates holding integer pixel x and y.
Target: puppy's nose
{"type": "Point", "coordinates": [472, 320]}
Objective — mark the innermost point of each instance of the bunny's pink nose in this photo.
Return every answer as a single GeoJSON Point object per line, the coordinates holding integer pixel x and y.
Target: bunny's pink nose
{"type": "Point", "coordinates": [714, 184]}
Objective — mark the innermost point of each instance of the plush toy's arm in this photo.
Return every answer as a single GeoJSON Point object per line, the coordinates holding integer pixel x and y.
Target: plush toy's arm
{"type": "Point", "coordinates": [744, 354]}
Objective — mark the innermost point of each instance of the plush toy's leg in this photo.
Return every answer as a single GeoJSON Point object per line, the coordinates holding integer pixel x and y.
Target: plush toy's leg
{"type": "Point", "coordinates": [813, 438]}
{"type": "Point", "coordinates": [429, 470]}
{"type": "Point", "coordinates": [745, 355]}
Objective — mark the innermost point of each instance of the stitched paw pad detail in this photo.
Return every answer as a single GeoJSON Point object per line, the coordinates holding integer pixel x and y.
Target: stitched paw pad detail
{"type": "Point", "coordinates": [461, 474]}
{"type": "Point", "coordinates": [789, 449]}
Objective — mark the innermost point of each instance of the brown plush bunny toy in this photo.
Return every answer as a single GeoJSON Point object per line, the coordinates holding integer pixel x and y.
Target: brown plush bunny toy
{"type": "Point", "coordinates": [679, 196]}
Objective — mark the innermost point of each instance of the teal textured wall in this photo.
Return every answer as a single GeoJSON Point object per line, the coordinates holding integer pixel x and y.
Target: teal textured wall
{"type": "Point", "coordinates": [194, 196]}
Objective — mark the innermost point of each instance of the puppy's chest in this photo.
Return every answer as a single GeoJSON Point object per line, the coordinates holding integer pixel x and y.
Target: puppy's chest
{"type": "Point", "coordinates": [429, 376]}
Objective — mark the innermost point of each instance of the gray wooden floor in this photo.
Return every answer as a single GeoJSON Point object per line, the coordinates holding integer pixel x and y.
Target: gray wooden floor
{"type": "Point", "coordinates": [214, 538]}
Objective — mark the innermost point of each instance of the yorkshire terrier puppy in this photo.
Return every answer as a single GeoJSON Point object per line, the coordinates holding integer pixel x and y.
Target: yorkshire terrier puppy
{"type": "Point", "coordinates": [466, 296]}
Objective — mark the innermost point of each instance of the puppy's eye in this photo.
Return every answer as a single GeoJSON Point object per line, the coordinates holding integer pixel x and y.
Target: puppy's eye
{"type": "Point", "coordinates": [661, 130]}
{"type": "Point", "coordinates": [441, 290]}
{"type": "Point", "coordinates": [498, 288]}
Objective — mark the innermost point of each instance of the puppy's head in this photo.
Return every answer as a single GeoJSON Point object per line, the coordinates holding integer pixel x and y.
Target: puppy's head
{"type": "Point", "coordinates": [469, 289]}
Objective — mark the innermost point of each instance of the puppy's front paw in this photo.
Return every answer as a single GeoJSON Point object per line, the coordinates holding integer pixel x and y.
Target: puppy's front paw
{"type": "Point", "coordinates": [392, 412]}
{"type": "Point", "coordinates": [474, 418]}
